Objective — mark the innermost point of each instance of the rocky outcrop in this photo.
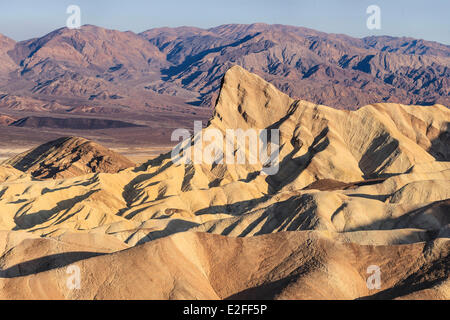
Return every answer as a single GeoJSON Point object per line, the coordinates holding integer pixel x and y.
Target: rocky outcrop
{"type": "Point", "coordinates": [68, 157]}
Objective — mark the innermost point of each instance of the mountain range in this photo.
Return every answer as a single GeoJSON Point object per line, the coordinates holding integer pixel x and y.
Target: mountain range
{"type": "Point", "coordinates": [122, 71]}
{"type": "Point", "coordinates": [165, 78]}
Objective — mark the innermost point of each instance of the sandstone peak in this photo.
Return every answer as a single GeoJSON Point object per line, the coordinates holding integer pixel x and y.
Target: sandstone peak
{"type": "Point", "coordinates": [247, 100]}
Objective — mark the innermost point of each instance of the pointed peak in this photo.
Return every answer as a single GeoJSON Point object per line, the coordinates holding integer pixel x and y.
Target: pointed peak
{"type": "Point", "coordinates": [247, 100]}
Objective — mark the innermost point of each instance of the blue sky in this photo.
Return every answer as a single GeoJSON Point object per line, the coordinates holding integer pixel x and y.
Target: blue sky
{"type": "Point", "coordinates": [24, 19]}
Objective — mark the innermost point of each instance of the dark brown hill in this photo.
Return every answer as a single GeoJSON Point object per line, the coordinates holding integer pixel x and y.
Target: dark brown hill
{"type": "Point", "coordinates": [69, 157]}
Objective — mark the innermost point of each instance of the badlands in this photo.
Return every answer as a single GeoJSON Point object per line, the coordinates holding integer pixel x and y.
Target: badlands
{"type": "Point", "coordinates": [354, 189]}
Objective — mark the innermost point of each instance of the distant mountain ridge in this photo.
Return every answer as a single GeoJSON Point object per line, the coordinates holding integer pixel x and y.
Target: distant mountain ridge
{"type": "Point", "coordinates": [323, 68]}
{"type": "Point", "coordinates": [183, 66]}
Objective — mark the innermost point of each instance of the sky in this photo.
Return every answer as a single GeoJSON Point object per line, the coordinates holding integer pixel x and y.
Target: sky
{"type": "Point", "coordinates": [424, 19]}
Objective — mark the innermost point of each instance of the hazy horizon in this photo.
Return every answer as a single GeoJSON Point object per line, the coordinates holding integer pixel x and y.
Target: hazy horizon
{"type": "Point", "coordinates": [416, 19]}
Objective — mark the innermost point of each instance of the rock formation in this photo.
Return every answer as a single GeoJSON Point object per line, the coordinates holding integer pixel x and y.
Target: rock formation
{"type": "Point", "coordinates": [68, 157]}
{"type": "Point", "coordinates": [353, 189]}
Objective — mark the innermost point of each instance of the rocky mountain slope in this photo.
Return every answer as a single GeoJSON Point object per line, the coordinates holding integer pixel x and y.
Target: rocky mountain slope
{"type": "Point", "coordinates": [105, 70]}
{"type": "Point", "coordinates": [353, 189]}
{"type": "Point", "coordinates": [181, 66]}
{"type": "Point", "coordinates": [330, 69]}
{"type": "Point", "coordinates": [285, 265]}
{"type": "Point", "coordinates": [7, 64]}
{"type": "Point", "coordinates": [68, 157]}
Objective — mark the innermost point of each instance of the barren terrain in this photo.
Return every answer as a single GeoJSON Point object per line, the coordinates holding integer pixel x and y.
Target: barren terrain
{"type": "Point", "coordinates": [165, 78]}
{"type": "Point", "coordinates": [354, 189]}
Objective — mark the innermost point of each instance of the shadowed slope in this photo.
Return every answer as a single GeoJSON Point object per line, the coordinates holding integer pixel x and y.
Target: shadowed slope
{"type": "Point", "coordinates": [287, 265]}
